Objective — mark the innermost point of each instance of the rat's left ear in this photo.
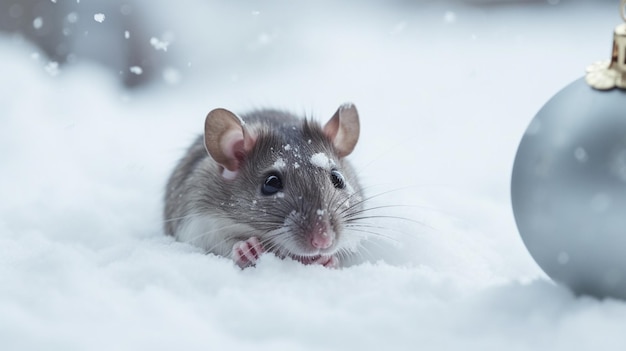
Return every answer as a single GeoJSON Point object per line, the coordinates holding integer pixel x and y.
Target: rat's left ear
{"type": "Point", "coordinates": [227, 140]}
{"type": "Point", "coordinates": [343, 129]}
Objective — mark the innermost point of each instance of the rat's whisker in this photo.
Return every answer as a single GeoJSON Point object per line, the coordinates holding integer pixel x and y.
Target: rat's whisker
{"type": "Point", "coordinates": [361, 218]}
{"type": "Point", "coordinates": [360, 253]}
{"type": "Point", "coordinates": [372, 227]}
{"type": "Point", "coordinates": [376, 234]}
{"type": "Point", "coordinates": [371, 197]}
{"type": "Point", "coordinates": [382, 207]}
{"type": "Point", "coordinates": [180, 218]}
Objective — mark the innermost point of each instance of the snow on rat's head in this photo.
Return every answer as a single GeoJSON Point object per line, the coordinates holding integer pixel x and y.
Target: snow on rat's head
{"type": "Point", "coordinates": [320, 160]}
{"type": "Point", "coordinates": [279, 164]}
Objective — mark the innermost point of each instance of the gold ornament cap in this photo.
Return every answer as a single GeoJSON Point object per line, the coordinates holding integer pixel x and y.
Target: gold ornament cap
{"type": "Point", "coordinates": [609, 74]}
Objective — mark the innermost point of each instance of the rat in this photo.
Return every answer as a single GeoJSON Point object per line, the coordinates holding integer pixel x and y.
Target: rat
{"type": "Point", "coordinates": [269, 181]}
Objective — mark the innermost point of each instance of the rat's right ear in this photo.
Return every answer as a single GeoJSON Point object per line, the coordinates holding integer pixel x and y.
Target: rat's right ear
{"type": "Point", "coordinates": [343, 129]}
{"type": "Point", "coordinates": [227, 140]}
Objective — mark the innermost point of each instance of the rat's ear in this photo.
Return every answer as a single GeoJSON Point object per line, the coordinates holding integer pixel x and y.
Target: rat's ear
{"type": "Point", "coordinates": [343, 129]}
{"type": "Point", "coordinates": [227, 140]}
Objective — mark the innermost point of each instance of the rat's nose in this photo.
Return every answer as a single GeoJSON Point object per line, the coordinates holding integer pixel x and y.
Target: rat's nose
{"type": "Point", "coordinates": [322, 239]}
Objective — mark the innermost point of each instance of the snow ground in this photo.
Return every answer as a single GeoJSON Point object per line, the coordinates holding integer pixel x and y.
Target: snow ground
{"type": "Point", "coordinates": [444, 90]}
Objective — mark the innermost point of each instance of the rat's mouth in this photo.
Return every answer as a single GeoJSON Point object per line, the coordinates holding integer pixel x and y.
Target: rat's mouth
{"type": "Point", "coordinates": [327, 259]}
{"type": "Point", "coordinates": [324, 260]}
{"type": "Point", "coordinates": [306, 259]}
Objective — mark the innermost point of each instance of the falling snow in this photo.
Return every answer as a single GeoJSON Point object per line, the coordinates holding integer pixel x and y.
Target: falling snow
{"type": "Point", "coordinates": [99, 17]}
{"type": "Point", "coordinates": [159, 44]}
{"type": "Point", "coordinates": [136, 70]}
{"type": "Point", "coordinates": [52, 68]}
{"type": "Point", "coordinates": [581, 154]}
{"type": "Point", "coordinates": [72, 17]}
{"type": "Point", "coordinates": [449, 17]}
{"type": "Point", "coordinates": [37, 23]}
{"type": "Point", "coordinates": [171, 76]}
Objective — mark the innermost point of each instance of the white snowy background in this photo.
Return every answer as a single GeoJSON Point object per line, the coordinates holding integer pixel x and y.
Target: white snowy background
{"type": "Point", "coordinates": [445, 91]}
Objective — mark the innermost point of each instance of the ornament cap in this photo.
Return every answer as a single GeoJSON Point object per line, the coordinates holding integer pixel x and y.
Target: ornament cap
{"type": "Point", "coordinates": [609, 74]}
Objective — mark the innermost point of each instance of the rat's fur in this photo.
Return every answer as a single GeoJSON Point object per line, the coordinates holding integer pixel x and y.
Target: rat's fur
{"type": "Point", "coordinates": [214, 213]}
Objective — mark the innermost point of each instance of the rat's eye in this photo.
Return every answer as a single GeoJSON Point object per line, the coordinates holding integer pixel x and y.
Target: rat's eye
{"type": "Point", "coordinates": [272, 185]}
{"type": "Point", "coordinates": [337, 179]}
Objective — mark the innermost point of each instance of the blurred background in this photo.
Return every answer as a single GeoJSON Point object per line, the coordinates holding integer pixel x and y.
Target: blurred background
{"type": "Point", "coordinates": [157, 42]}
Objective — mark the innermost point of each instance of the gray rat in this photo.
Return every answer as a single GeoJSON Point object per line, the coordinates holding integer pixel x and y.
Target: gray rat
{"type": "Point", "coordinates": [269, 182]}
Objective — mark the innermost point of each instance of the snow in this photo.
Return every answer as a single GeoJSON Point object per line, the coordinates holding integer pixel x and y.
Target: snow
{"type": "Point", "coordinates": [581, 154]}
{"type": "Point", "coordinates": [449, 17]}
{"type": "Point", "coordinates": [159, 44]}
{"type": "Point", "coordinates": [72, 17]}
{"type": "Point", "coordinates": [320, 160]}
{"type": "Point", "coordinates": [99, 17]}
{"type": "Point", "coordinates": [84, 263]}
{"type": "Point", "coordinates": [171, 76]}
{"type": "Point", "coordinates": [136, 70]}
{"type": "Point", "coordinates": [52, 68]}
{"type": "Point", "coordinates": [279, 163]}
{"type": "Point", "coordinates": [37, 23]}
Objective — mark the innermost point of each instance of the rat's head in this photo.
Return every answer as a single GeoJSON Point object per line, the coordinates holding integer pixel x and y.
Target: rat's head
{"type": "Point", "coordinates": [289, 179]}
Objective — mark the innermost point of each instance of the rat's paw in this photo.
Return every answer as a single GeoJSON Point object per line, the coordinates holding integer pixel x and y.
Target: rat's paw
{"type": "Point", "coordinates": [328, 261]}
{"type": "Point", "coordinates": [246, 253]}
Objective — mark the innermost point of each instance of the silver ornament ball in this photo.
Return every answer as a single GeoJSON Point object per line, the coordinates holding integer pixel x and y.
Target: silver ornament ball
{"type": "Point", "coordinates": [568, 189]}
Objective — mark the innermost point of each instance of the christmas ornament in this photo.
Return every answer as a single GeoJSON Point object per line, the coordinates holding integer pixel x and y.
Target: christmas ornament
{"type": "Point", "coordinates": [568, 187]}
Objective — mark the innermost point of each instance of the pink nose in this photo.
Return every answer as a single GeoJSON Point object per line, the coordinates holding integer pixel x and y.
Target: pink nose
{"type": "Point", "coordinates": [322, 240]}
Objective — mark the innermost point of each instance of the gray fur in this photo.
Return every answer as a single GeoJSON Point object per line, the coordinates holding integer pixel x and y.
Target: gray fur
{"type": "Point", "coordinates": [235, 210]}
